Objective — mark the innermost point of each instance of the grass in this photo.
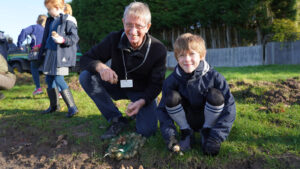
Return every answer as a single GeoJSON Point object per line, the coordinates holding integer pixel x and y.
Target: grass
{"type": "Point", "coordinates": [257, 136]}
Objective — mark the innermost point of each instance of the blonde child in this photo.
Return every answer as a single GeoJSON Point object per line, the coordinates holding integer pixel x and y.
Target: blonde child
{"type": "Point", "coordinates": [59, 46]}
{"type": "Point", "coordinates": [197, 98]}
{"type": "Point", "coordinates": [68, 9]}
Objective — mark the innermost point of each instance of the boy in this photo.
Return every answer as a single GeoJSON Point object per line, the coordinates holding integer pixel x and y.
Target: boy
{"type": "Point", "coordinates": [197, 98]}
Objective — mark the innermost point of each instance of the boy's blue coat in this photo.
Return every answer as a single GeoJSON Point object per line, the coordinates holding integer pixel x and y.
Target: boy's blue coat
{"type": "Point", "coordinates": [194, 89]}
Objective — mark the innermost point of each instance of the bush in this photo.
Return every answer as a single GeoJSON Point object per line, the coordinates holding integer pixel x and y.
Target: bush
{"type": "Point", "coordinates": [284, 30]}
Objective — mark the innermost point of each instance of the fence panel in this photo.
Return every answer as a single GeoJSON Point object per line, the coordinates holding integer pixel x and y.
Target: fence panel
{"type": "Point", "coordinates": [283, 53]}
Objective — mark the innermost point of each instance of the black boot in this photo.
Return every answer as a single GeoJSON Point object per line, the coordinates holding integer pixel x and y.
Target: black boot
{"type": "Point", "coordinates": [117, 125]}
{"type": "Point", "coordinates": [68, 98]}
{"type": "Point", "coordinates": [54, 101]}
{"type": "Point", "coordinates": [186, 140]}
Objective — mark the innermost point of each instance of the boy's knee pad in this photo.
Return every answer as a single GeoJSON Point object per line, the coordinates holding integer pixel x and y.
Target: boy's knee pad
{"type": "Point", "coordinates": [213, 107]}
{"type": "Point", "coordinates": [173, 99]}
{"type": "Point", "coordinates": [215, 97]}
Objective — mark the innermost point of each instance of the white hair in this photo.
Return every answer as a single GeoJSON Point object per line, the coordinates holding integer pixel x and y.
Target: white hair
{"type": "Point", "coordinates": [138, 9]}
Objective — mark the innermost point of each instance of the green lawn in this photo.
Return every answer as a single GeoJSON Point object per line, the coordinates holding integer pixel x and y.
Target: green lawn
{"type": "Point", "coordinates": [259, 137]}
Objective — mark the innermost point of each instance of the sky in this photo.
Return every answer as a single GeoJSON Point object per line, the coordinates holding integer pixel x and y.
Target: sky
{"type": "Point", "coordinates": [18, 14]}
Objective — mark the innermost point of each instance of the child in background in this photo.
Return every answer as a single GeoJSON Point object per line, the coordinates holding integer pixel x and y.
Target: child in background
{"type": "Point", "coordinates": [36, 33]}
{"type": "Point", "coordinates": [197, 98]}
{"type": "Point", "coordinates": [68, 9]}
{"type": "Point", "coordinates": [59, 45]}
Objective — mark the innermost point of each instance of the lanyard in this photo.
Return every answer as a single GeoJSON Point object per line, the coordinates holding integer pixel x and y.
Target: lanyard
{"type": "Point", "coordinates": [147, 52]}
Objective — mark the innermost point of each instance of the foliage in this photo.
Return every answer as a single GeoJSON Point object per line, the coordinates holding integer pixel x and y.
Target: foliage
{"type": "Point", "coordinates": [284, 30]}
{"type": "Point", "coordinates": [96, 18]}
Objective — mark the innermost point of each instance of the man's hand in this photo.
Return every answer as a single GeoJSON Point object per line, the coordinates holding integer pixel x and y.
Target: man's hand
{"type": "Point", "coordinates": [134, 107]}
{"type": "Point", "coordinates": [106, 73]}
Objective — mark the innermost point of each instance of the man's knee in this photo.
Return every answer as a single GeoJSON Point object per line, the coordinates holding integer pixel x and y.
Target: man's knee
{"type": "Point", "coordinates": [84, 77]}
{"type": "Point", "coordinates": [215, 97]}
{"type": "Point", "coordinates": [173, 99]}
{"type": "Point", "coordinates": [6, 82]}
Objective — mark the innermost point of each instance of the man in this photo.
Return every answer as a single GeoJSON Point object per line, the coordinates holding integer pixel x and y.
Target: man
{"type": "Point", "coordinates": [137, 72]}
{"type": "Point", "coordinates": [7, 79]}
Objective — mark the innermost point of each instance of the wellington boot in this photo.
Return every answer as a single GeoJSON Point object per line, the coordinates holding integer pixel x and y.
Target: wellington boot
{"type": "Point", "coordinates": [54, 101]}
{"type": "Point", "coordinates": [68, 98]}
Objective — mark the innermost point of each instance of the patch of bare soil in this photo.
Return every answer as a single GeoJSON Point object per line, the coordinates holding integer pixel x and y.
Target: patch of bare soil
{"type": "Point", "coordinates": [74, 84]}
{"type": "Point", "coordinates": [280, 95]}
{"type": "Point", "coordinates": [26, 78]}
{"type": "Point", "coordinates": [287, 92]}
{"type": "Point", "coordinates": [30, 148]}
{"type": "Point", "coordinates": [284, 161]}
{"type": "Point", "coordinates": [23, 78]}
{"type": "Point", "coordinates": [26, 147]}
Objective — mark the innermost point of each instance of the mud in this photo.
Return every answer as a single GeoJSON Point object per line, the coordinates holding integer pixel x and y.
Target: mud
{"type": "Point", "coordinates": [278, 96]}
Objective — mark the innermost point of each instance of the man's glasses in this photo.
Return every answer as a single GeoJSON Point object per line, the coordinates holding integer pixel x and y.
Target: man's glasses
{"type": "Point", "coordinates": [136, 26]}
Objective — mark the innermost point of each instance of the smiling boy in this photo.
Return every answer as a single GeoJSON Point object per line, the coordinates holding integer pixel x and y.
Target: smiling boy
{"type": "Point", "coordinates": [197, 98]}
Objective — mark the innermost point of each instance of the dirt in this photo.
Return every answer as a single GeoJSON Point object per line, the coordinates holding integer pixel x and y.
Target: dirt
{"type": "Point", "coordinates": [277, 98]}
{"type": "Point", "coordinates": [34, 149]}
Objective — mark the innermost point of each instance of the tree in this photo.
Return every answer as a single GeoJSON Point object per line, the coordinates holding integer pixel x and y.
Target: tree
{"type": "Point", "coordinates": [284, 30]}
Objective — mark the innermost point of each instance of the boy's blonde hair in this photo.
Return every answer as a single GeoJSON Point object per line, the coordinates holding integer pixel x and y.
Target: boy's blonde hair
{"type": "Point", "coordinates": [138, 9]}
{"type": "Point", "coordinates": [41, 20]}
{"type": "Point", "coordinates": [55, 4]}
{"type": "Point", "coordinates": [68, 9]}
{"type": "Point", "coordinates": [187, 42]}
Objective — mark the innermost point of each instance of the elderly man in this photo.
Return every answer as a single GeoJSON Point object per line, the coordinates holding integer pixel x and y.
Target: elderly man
{"type": "Point", "coordinates": [137, 72]}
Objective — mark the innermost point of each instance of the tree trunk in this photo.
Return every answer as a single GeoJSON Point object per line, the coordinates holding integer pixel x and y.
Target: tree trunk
{"type": "Point", "coordinates": [258, 32]}
{"type": "Point", "coordinates": [173, 38]}
{"type": "Point", "coordinates": [202, 30]}
{"type": "Point", "coordinates": [212, 37]}
{"type": "Point", "coordinates": [164, 34]}
{"type": "Point", "coordinates": [218, 37]}
{"type": "Point", "coordinates": [228, 38]}
{"type": "Point", "coordinates": [236, 37]}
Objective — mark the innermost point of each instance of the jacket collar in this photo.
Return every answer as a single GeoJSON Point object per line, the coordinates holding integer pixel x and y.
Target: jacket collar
{"type": "Point", "coordinates": [201, 70]}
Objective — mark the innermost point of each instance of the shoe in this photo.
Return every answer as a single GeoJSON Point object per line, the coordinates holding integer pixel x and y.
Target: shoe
{"type": "Point", "coordinates": [59, 96]}
{"type": "Point", "coordinates": [186, 139]}
{"type": "Point", "coordinates": [118, 124]}
{"type": "Point", "coordinates": [211, 147]}
{"type": "Point", "coordinates": [37, 91]}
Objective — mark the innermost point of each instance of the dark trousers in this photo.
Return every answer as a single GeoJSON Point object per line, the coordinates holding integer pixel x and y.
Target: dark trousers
{"type": "Point", "coordinates": [102, 92]}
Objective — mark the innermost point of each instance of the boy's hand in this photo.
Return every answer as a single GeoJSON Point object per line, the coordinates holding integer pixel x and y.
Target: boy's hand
{"type": "Point", "coordinates": [173, 144]}
{"type": "Point", "coordinates": [106, 73]}
{"type": "Point", "coordinates": [134, 107]}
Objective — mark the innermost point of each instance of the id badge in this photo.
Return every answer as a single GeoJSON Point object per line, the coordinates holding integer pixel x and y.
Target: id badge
{"type": "Point", "coordinates": [126, 83]}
